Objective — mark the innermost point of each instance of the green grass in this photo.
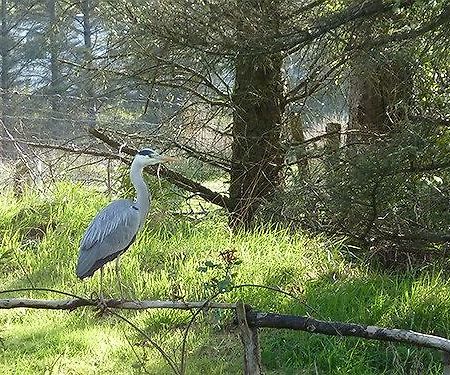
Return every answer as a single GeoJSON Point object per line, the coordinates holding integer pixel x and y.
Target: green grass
{"type": "Point", "coordinates": [39, 246]}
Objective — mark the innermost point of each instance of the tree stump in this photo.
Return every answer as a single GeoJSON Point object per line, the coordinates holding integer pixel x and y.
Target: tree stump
{"type": "Point", "coordinates": [249, 337]}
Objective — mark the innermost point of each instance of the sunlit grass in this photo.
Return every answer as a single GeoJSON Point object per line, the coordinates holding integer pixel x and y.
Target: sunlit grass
{"type": "Point", "coordinates": [39, 246]}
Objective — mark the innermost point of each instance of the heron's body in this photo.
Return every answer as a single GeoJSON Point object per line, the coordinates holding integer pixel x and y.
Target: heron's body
{"type": "Point", "coordinates": [111, 232]}
{"type": "Point", "coordinates": [114, 228]}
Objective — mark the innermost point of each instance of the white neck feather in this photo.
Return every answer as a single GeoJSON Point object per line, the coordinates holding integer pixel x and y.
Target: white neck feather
{"type": "Point", "coordinates": [142, 193]}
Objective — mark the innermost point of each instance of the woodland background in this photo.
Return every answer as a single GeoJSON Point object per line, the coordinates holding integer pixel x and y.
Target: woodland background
{"type": "Point", "coordinates": [324, 119]}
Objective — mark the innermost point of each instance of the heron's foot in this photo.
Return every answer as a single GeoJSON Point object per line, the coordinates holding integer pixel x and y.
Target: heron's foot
{"type": "Point", "coordinates": [101, 304]}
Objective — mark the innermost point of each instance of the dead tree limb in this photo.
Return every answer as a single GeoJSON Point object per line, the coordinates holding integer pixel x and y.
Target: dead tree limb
{"type": "Point", "coordinates": [202, 156]}
{"type": "Point", "coordinates": [73, 149]}
{"type": "Point", "coordinates": [71, 304]}
{"type": "Point", "coordinates": [311, 325]}
{"type": "Point", "coordinates": [254, 319]}
{"type": "Point", "coordinates": [174, 177]}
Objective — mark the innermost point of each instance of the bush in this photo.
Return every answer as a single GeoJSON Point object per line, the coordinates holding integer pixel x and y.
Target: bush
{"type": "Point", "coordinates": [394, 191]}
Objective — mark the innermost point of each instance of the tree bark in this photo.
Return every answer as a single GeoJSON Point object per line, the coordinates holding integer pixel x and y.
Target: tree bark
{"type": "Point", "coordinates": [309, 324]}
{"type": "Point", "coordinates": [55, 74]}
{"type": "Point", "coordinates": [74, 303]}
{"type": "Point", "coordinates": [256, 150]}
{"type": "Point", "coordinates": [250, 341]}
{"type": "Point", "coordinates": [4, 76]}
{"type": "Point", "coordinates": [380, 93]}
{"type": "Point", "coordinates": [86, 8]}
{"type": "Point", "coordinates": [257, 109]}
{"type": "Point", "coordinates": [247, 318]}
{"type": "Point", "coordinates": [296, 126]}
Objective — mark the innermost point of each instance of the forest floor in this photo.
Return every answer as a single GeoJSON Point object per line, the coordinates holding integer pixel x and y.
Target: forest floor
{"type": "Point", "coordinates": [177, 257]}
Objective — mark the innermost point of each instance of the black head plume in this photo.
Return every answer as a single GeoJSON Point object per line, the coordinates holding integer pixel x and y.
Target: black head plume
{"type": "Point", "coordinates": [147, 152]}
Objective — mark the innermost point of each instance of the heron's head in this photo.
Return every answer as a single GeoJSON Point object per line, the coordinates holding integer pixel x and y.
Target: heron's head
{"type": "Point", "coordinates": [147, 156]}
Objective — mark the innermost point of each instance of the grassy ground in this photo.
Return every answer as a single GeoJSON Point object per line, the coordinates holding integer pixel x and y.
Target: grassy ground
{"type": "Point", "coordinates": [39, 245]}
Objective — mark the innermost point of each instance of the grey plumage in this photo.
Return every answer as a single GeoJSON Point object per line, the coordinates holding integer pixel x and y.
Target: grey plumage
{"type": "Point", "coordinates": [110, 233]}
{"type": "Point", "coordinates": [114, 228]}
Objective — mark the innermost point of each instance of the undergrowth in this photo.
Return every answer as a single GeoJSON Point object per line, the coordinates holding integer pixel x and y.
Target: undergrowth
{"type": "Point", "coordinates": [175, 258]}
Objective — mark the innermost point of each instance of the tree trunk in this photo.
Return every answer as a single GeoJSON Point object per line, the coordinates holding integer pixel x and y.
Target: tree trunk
{"type": "Point", "coordinates": [55, 74]}
{"type": "Point", "coordinates": [4, 79]}
{"type": "Point", "coordinates": [86, 8]}
{"type": "Point", "coordinates": [380, 93]}
{"type": "Point", "coordinates": [296, 128]}
{"type": "Point", "coordinates": [257, 109]}
{"type": "Point", "coordinates": [256, 152]}
{"type": "Point", "coordinates": [332, 144]}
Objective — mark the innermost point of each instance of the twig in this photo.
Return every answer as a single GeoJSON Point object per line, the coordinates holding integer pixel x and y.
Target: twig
{"type": "Point", "coordinates": [141, 361]}
{"type": "Point", "coordinates": [73, 149]}
{"type": "Point", "coordinates": [169, 360]}
{"type": "Point", "coordinates": [205, 305]}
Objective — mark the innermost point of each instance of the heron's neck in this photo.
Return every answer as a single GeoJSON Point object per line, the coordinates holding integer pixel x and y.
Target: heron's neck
{"type": "Point", "coordinates": [142, 193]}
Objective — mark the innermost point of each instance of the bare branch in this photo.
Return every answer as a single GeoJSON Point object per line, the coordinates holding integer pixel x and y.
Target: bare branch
{"type": "Point", "coordinates": [171, 83]}
{"type": "Point", "coordinates": [203, 156]}
{"type": "Point", "coordinates": [174, 177]}
{"type": "Point", "coordinates": [203, 79]}
{"type": "Point", "coordinates": [161, 351]}
{"type": "Point", "coordinates": [442, 19]}
{"type": "Point", "coordinates": [254, 319]}
{"type": "Point", "coordinates": [71, 304]}
{"type": "Point", "coordinates": [308, 324]}
{"type": "Point", "coordinates": [72, 149]}
{"type": "Point", "coordinates": [326, 24]}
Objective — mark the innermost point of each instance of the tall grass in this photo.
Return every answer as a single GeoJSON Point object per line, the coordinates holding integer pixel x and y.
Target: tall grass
{"type": "Point", "coordinates": [39, 245]}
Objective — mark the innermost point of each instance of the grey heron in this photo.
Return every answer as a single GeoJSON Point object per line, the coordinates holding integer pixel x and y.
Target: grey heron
{"type": "Point", "coordinates": [114, 228]}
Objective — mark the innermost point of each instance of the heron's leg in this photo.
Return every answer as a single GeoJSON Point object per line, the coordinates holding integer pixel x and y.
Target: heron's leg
{"type": "Point", "coordinates": [102, 306]}
{"type": "Point", "coordinates": [118, 277]}
{"type": "Point", "coordinates": [100, 294]}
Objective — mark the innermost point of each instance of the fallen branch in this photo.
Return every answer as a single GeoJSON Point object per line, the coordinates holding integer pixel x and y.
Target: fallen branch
{"type": "Point", "coordinates": [311, 325]}
{"type": "Point", "coordinates": [174, 177]}
{"type": "Point", "coordinates": [71, 304]}
{"type": "Point", "coordinates": [254, 318]}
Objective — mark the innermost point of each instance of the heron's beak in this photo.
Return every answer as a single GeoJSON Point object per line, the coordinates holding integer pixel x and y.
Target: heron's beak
{"type": "Point", "coordinates": [167, 159]}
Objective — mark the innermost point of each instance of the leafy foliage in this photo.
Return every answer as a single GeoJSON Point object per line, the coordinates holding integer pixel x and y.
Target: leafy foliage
{"type": "Point", "coordinates": [395, 189]}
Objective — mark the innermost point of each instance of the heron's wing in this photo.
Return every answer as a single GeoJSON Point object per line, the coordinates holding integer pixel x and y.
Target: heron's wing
{"type": "Point", "coordinates": [109, 234]}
